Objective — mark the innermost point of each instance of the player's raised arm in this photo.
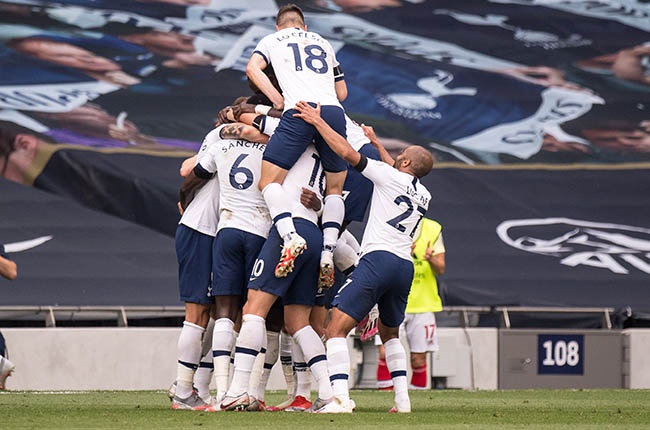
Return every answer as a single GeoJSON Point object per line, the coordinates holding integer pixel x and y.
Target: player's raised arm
{"type": "Point", "coordinates": [372, 137]}
{"type": "Point", "coordinates": [255, 72]}
{"type": "Point", "coordinates": [334, 140]}
{"type": "Point", "coordinates": [240, 130]}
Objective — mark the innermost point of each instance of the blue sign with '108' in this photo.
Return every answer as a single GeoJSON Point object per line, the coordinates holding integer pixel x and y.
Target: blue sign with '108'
{"type": "Point", "coordinates": [560, 354]}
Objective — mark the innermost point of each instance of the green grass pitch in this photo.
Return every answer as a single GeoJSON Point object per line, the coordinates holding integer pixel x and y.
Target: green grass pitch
{"type": "Point", "coordinates": [440, 409]}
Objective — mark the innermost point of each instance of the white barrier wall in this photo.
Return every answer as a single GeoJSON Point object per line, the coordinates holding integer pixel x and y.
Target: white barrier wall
{"type": "Point", "coordinates": [92, 358]}
{"type": "Point", "coordinates": [636, 343]}
{"type": "Point", "coordinates": [468, 357]}
{"type": "Point", "coordinates": [145, 358]}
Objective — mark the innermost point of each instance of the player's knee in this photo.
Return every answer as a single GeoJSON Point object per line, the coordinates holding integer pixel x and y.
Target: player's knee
{"type": "Point", "coordinates": [335, 181]}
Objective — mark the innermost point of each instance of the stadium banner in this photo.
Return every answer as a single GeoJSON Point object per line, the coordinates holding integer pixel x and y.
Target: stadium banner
{"type": "Point", "coordinates": [544, 236]}
{"type": "Point", "coordinates": [68, 255]}
{"type": "Point", "coordinates": [537, 113]}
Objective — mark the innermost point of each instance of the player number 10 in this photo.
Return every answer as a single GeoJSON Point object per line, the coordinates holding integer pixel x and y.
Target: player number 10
{"type": "Point", "coordinates": [563, 353]}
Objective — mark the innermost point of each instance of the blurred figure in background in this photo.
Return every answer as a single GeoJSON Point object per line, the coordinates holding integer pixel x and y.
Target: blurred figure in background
{"type": "Point", "coordinates": [428, 253]}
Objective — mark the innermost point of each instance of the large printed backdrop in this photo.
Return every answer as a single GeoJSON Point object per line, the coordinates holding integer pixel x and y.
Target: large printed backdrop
{"type": "Point", "coordinates": [537, 111]}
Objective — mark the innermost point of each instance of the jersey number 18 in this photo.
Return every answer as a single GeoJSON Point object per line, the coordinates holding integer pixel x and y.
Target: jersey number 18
{"type": "Point", "coordinates": [314, 60]}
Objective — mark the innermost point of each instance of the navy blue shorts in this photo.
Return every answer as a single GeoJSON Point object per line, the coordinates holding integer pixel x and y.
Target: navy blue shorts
{"type": "Point", "coordinates": [234, 253]}
{"type": "Point", "coordinates": [293, 135]}
{"type": "Point", "coordinates": [359, 188]}
{"type": "Point", "coordinates": [194, 255]}
{"type": "Point", "coordinates": [382, 278]}
{"type": "Point", "coordinates": [299, 287]}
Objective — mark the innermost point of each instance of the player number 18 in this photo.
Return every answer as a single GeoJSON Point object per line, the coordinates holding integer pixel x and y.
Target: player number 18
{"type": "Point", "coordinates": [314, 60]}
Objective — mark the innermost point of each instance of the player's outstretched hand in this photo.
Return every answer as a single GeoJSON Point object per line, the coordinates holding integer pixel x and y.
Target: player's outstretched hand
{"type": "Point", "coordinates": [370, 134]}
{"type": "Point", "coordinates": [308, 113]}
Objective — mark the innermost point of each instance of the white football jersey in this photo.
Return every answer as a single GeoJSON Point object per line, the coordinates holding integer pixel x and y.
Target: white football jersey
{"type": "Point", "coordinates": [237, 164]}
{"type": "Point", "coordinates": [304, 64]}
{"type": "Point", "coordinates": [202, 214]}
{"type": "Point", "coordinates": [308, 173]}
{"type": "Point", "coordinates": [355, 135]}
{"type": "Point", "coordinates": [399, 201]}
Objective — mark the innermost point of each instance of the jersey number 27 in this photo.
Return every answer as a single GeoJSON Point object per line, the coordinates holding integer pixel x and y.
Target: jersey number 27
{"type": "Point", "coordinates": [395, 222]}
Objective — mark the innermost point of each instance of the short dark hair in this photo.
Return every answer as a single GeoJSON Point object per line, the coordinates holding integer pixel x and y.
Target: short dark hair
{"type": "Point", "coordinates": [284, 15]}
{"type": "Point", "coordinates": [8, 133]}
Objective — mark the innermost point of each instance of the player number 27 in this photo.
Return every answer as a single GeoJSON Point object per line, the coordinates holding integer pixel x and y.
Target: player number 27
{"type": "Point", "coordinates": [395, 222]}
{"type": "Point", "coordinates": [314, 58]}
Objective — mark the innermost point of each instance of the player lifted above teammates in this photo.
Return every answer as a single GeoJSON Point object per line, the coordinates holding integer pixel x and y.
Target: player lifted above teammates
{"type": "Point", "coordinates": [306, 68]}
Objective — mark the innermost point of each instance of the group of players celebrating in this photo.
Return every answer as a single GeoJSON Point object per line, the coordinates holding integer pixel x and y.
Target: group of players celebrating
{"type": "Point", "coordinates": [262, 237]}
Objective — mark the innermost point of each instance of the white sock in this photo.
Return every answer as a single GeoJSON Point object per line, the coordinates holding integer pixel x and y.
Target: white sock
{"type": "Point", "coordinates": [189, 355]}
{"type": "Point", "coordinates": [303, 375]}
{"type": "Point", "coordinates": [256, 373]}
{"type": "Point", "coordinates": [345, 257]}
{"type": "Point", "coordinates": [271, 356]}
{"type": "Point", "coordinates": [338, 361]}
{"type": "Point", "coordinates": [222, 346]}
{"type": "Point", "coordinates": [249, 343]}
{"type": "Point", "coordinates": [203, 376]}
{"type": "Point", "coordinates": [316, 358]}
{"type": "Point", "coordinates": [333, 213]}
{"type": "Point", "coordinates": [396, 362]}
{"type": "Point", "coordinates": [275, 199]}
{"type": "Point", "coordinates": [286, 346]}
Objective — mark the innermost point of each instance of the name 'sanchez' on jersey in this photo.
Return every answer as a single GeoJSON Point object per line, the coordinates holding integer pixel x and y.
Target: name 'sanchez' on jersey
{"type": "Point", "coordinates": [239, 144]}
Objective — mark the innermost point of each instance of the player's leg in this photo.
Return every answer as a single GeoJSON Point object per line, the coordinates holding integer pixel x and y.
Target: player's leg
{"type": "Point", "coordinates": [223, 341]}
{"type": "Point", "coordinates": [286, 361]}
{"type": "Point", "coordinates": [270, 357]}
{"type": "Point", "coordinates": [296, 319]}
{"type": "Point", "coordinates": [392, 304]}
{"type": "Point", "coordinates": [422, 339]}
{"type": "Point", "coordinates": [189, 356]}
{"type": "Point", "coordinates": [334, 207]}
{"type": "Point", "coordinates": [318, 319]}
{"type": "Point", "coordinates": [266, 359]}
{"type": "Point", "coordinates": [283, 149]}
{"type": "Point", "coordinates": [6, 366]}
{"type": "Point", "coordinates": [230, 272]}
{"type": "Point", "coordinates": [249, 344]}
{"type": "Point", "coordinates": [302, 398]}
{"type": "Point", "coordinates": [228, 310]}
{"type": "Point", "coordinates": [384, 381]}
{"type": "Point", "coordinates": [194, 253]}
{"type": "Point", "coordinates": [263, 290]}
{"type": "Point", "coordinates": [338, 361]}
{"type": "Point", "coordinates": [203, 375]}
{"type": "Point", "coordinates": [331, 220]}
{"type": "Point", "coordinates": [396, 363]}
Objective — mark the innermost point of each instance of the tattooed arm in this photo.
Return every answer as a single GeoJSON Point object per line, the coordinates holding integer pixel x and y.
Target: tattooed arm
{"type": "Point", "coordinates": [238, 130]}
